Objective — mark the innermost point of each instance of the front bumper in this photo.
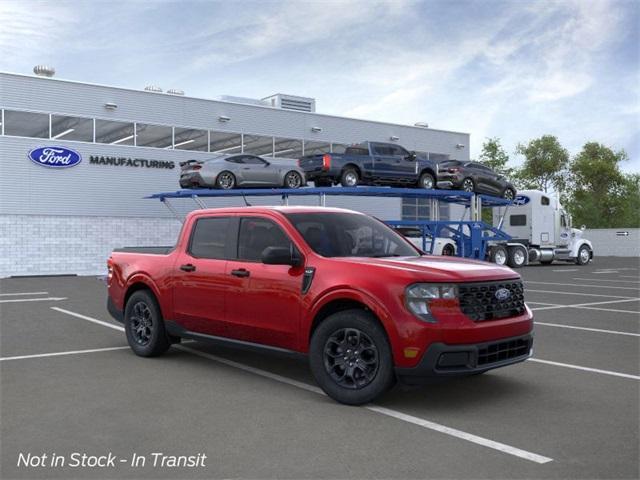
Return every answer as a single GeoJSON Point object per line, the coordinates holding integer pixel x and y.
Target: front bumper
{"type": "Point", "coordinates": [443, 360]}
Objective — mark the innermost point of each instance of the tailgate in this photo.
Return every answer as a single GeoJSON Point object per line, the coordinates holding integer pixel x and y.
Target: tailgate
{"type": "Point", "coordinates": [311, 163]}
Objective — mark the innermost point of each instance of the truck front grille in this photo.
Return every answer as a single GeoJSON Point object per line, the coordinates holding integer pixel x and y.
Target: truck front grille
{"type": "Point", "coordinates": [499, 351]}
{"type": "Point", "coordinates": [481, 301]}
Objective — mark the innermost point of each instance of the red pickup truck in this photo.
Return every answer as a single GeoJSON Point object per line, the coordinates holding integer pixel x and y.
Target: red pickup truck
{"type": "Point", "coordinates": [365, 304]}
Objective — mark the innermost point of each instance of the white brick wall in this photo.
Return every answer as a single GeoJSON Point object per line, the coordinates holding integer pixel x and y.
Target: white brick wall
{"type": "Point", "coordinates": [607, 242]}
{"type": "Point", "coordinates": [49, 245]}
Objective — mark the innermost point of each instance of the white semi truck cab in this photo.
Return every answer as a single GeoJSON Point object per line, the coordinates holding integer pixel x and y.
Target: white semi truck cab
{"type": "Point", "coordinates": [541, 231]}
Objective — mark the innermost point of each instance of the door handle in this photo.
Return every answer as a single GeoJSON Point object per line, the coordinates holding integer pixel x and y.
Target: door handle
{"type": "Point", "coordinates": [240, 273]}
{"type": "Point", "coordinates": [188, 268]}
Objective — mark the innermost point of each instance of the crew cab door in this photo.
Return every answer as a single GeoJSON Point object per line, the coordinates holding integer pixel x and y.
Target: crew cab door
{"type": "Point", "coordinates": [263, 301]}
{"type": "Point", "coordinates": [391, 162]}
{"type": "Point", "coordinates": [199, 279]}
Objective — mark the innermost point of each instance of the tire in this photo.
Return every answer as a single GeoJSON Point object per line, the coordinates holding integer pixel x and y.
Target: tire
{"type": "Point", "coordinates": [508, 194]}
{"type": "Point", "coordinates": [293, 180]}
{"type": "Point", "coordinates": [226, 180]}
{"type": "Point", "coordinates": [427, 181]}
{"type": "Point", "coordinates": [517, 257]}
{"type": "Point", "coordinates": [499, 255]}
{"type": "Point", "coordinates": [372, 374]}
{"type": "Point", "coordinates": [349, 177]}
{"type": "Point", "coordinates": [144, 325]}
{"type": "Point", "coordinates": [468, 185]}
{"type": "Point", "coordinates": [448, 250]}
{"type": "Point", "coordinates": [584, 255]}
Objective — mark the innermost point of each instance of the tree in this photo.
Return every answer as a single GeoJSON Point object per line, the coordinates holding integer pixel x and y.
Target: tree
{"type": "Point", "coordinates": [495, 157]}
{"type": "Point", "coordinates": [545, 164]}
{"type": "Point", "coordinates": [600, 195]}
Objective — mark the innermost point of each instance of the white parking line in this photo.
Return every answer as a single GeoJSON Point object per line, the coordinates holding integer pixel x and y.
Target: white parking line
{"type": "Point", "coordinates": [578, 294]}
{"type": "Point", "coordinates": [586, 369]}
{"type": "Point", "coordinates": [605, 272]}
{"type": "Point", "coordinates": [588, 305]}
{"type": "Point", "coordinates": [47, 299]}
{"type": "Point", "coordinates": [533, 457]}
{"type": "Point", "coordinates": [567, 270]}
{"type": "Point", "coordinates": [583, 285]}
{"type": "Point", "coordinates": [607, 280]}
{"type": "Point", "coordinates": [23, 293]}
{"type": "Point", "coordinates": [89, 319]}
{"type": "Point", "coordinates": [633, 312]}
{"type": "Point", "coordinates": [598, 330]}
{"type": "Point", "coordinates": [59, 354]}
{"type": "Point", "coordinates": [384, 411]}
{"type": "Point", "coordinates": [628, 276]}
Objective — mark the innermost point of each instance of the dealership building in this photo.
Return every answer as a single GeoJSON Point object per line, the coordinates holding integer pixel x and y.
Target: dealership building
{"type": "Point", "coordinates": [129, 144]}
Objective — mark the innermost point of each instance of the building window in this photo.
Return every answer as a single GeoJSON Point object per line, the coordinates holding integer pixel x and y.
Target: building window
{"type": "Point", "coordinates": [225, 142]}
{"type": "Point", "coordinates": [315, 148]}
{"type": "Point", "coordinates": [26, 124]}
{"type": "Point", "coordinates": [71, 128]}
{"type": "Point", "coordinates": [114, 133]}
{"type": "Point", "coordinates": [287, 148]}
{"type": "Point", "coordinates": [157, 136]}
{"type": "Point", "coordinates": [258, 145]}
{"type": "Point", "coordinates": [190, 139]}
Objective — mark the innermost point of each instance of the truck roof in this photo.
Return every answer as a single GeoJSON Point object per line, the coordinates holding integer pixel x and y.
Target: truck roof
{"type": "Point", "coordinates": [265, 209]}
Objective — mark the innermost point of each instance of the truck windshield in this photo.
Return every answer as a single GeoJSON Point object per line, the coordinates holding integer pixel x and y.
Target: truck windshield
{"type": "Point", "coordinates": [338, 234]}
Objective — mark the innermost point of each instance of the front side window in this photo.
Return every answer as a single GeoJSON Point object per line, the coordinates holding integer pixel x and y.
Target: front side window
{"type": "Point", "coordinates": [544, 201]}
{"type": "Point", "coordinates": [257, 234]}
{"type": "Point", "coordinates": [350, 235]}
{"type": "Point", "coordinates": [208, 239]}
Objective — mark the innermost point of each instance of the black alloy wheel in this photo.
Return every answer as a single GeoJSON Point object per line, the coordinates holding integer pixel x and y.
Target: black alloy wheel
{"type": "Point", "coordinates": [351, 358]}
{"type": "Point", "coordinates": [144, 325]}
{"type": "Point", "coordinates": [468, 185]}
{"type": "Point", "coordinates": [226, 180]}
{"type": "Point", "coordinates": [293, 179]}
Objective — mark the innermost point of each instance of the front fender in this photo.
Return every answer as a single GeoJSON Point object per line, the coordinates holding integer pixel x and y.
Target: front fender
{"type": "Point", "coordinates": [345, 293]}
{"type": "Point", "coordinates": [579, 243]}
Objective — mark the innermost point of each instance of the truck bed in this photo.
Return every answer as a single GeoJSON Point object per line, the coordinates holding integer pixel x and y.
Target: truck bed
{"type": "Point", "coordinates": [146, 250]}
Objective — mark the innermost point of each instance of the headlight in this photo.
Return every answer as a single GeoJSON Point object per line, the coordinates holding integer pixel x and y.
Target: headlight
{"type": "Point", "coordinates": [419, 296]}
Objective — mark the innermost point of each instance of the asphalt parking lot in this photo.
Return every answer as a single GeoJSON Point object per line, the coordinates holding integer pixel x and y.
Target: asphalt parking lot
{"type": "Point", "coordinates": [68, 383]}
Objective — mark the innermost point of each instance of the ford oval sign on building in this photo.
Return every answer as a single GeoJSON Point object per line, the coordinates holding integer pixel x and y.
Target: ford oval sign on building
{"type": "Point", "coordinates": [55, 157]}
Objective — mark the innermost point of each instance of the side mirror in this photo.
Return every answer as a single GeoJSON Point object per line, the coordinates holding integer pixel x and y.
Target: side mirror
{"type": "Point", "coordinates": [412, 156]}
{"type": "Point", "coordinates": [281, 256]}
{"type": "Point", "coordinates": [583, 228]}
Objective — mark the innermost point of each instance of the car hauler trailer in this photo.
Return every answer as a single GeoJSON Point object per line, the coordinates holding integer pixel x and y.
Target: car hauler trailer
{"type": "Point", "coordinates": [464, 238]}
{"type": "Point", "coordinates": [540, 230]}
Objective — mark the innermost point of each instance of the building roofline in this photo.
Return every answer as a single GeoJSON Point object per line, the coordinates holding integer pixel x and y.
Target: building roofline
{"type": "Point", "coordinates": [231, 103]}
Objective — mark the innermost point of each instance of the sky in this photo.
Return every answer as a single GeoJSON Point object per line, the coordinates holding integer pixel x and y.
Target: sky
{"type": "Point", "coordinates": [509, 69]}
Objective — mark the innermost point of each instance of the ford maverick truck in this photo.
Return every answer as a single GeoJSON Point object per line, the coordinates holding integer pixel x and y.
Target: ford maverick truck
{"type": "Point", "coordinates": [365, 305]}
{"type": "Point", "coordinates": [371, 163]}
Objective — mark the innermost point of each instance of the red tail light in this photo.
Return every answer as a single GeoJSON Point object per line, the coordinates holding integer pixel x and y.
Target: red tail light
{"type": "Point", "coordinates": [326, 161]}
{"type": "Point", "coordinates": [299, 162]}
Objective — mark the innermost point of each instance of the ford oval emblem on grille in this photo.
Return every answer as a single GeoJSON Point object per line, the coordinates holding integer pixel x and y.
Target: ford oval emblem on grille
{"type": "Point", "coordinates": [55, 157]}
{"type": "Point", "coordinates": [502, 294]}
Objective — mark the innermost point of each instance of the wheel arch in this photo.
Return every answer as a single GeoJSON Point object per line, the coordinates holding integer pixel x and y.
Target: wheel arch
{"type": "Point", "coordinates": [430, 171]}
{"type": "Point", "coordinates": [354, 166]}
{"type": "Point", "coordinates": [139, 283]}
{"type": "Point", "coordinates": [340, 301]}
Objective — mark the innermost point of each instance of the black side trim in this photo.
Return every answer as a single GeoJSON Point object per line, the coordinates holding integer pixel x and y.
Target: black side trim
{"type": "Point", "coordinates": [177, 330]}
{"type": "Point", "coordinates": [442, 360]}
{"type": "Point", "coordinates": [114, 312]}
{"type": "Point", "coordinates": [307, 278]}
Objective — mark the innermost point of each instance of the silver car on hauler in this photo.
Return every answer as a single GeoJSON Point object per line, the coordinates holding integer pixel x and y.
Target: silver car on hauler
{"type": "Point", "coordinates": [241, 170]}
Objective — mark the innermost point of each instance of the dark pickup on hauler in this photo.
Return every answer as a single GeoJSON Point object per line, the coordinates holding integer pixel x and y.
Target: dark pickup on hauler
{"type": "Point", "coordinates": [371, 163]}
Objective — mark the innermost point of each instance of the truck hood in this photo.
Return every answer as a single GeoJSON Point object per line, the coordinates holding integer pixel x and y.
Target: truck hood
{"type": "Point", "coordinates": [436, 269]}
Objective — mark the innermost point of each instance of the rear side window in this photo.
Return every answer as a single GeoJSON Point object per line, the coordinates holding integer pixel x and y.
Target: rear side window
{"type": "Point", "coordinates": [256, 234]}
{"type": "Point", "coordinates": [208, 239]}
{"type": "Point", "coordinates": [544, 201]}
{"type": "Point", "coordinates": [518, 220]}
{"type": "Point", "coordinates": [356, 151]}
